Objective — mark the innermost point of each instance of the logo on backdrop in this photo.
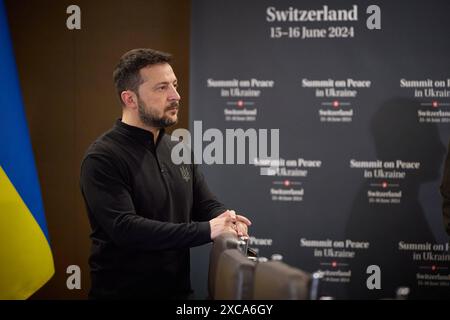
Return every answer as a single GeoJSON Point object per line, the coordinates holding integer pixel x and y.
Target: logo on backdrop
{"type": "Point", "coordinates": [434, 97]}
{"type": "Point", "coordinates": [259, 243]}
{"type": "Point", "coordinates": [241, 96]}
{"type": "Point", "coordinates": [292, 23]}
{"type": "Point", "coordinates": [334, 256]}
{"type": "Point", "coordinates": [336, 97]}
{"type": "Point", "coordinates": [432, 260]}
{"type": "Point", "coordinates": [289, 176]}
{"type": "Point", "coordinates": [384, 178]}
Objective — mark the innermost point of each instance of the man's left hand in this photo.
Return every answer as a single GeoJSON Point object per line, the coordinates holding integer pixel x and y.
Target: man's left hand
{"type": "Point", "coordinates": [241, 229]}
{"type": "Point", "coordinates": [242, 224]}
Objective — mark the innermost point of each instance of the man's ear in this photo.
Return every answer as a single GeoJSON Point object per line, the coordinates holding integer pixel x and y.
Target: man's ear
{"type": "Point", "coordinates": [129, 99]}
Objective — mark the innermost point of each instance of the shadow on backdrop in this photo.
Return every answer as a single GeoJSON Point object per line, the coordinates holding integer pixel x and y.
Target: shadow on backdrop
{"type": "Point", "coordinates": [397, 135]}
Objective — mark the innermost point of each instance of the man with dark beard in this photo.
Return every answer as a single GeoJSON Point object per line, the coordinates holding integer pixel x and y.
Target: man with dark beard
{"type": "Point", "coordinates": [146, 212]}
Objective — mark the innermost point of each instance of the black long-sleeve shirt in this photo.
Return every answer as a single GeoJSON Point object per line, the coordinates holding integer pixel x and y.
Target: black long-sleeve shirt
{"type": "Point", "coordinates": [142, 208]}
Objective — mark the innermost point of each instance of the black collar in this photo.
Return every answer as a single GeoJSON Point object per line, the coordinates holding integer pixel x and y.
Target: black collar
{"type": "Point", "coordinates": [138, 133]}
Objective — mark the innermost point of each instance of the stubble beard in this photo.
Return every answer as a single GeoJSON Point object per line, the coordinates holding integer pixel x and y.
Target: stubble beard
{"type": "Point", "coordinates": [151, 119]}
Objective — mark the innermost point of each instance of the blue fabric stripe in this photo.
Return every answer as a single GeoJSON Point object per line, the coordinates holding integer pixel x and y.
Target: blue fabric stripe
{"type": "Point", "coordinates": [16, 156]}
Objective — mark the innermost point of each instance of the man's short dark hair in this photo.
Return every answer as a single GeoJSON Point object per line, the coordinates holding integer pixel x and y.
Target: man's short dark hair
{"type": "Point", "coordinates": [126, 75]}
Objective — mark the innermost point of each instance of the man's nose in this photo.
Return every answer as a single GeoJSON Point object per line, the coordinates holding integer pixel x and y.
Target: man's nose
{"type": "Point", "coordinates": [174, 95]}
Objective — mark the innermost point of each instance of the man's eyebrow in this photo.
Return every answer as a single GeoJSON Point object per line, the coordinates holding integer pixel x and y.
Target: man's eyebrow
{"type": "Point", "coordinates": [165, 83]}
{"type": "Point", "coordinates": [160, 83]}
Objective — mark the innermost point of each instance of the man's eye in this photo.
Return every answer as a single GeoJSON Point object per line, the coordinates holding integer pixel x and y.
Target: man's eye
{"type": "Point", "coordinates": [162, 88]}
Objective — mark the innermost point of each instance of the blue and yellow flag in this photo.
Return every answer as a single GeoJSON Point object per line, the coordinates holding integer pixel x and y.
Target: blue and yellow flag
{"type": "Point", "coordinates": [26, 261]}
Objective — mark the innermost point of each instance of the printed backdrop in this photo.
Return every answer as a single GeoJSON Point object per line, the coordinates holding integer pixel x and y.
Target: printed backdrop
{"type": "Point", "coordinates": [363, 116]}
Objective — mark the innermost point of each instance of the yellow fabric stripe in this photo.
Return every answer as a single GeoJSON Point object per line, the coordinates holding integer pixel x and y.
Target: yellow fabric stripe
{"type": "Point", "coordinates": [26, 261]}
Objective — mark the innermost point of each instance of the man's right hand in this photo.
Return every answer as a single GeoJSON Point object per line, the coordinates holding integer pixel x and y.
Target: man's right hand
{"type": "Point", "coordinates": [223, 223]}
